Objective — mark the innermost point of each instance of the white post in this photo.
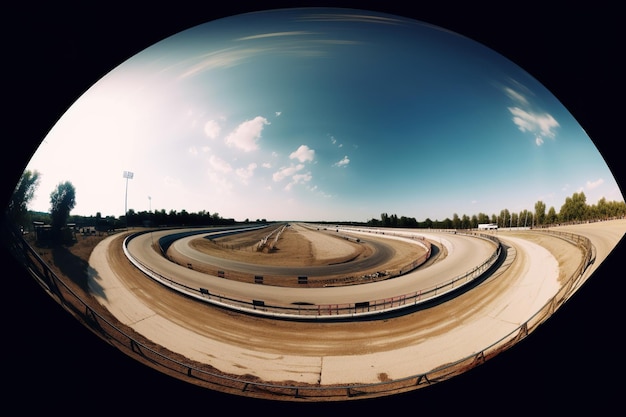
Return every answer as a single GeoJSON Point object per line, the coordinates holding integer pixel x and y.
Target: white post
{"type": "Point", "coordinates": [128, 175]}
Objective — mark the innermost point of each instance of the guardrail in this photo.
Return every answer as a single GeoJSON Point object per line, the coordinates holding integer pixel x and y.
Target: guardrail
{"type": "Point", "coordinates": [110, 331]}
{"type": "Point", "coordinates": [323, 311]}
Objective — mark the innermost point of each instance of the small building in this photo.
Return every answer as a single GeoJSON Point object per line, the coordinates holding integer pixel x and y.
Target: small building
{"type": "Point", "coordinates": [43, 232]}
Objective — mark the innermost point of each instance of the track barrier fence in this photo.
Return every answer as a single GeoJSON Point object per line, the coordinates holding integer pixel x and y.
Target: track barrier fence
{"type": "Point", "coordinates": [88, 312]}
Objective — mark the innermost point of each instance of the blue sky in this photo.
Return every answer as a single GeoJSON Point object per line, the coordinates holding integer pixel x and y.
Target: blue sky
{"type": "Point", "coordinates": [319, 114]}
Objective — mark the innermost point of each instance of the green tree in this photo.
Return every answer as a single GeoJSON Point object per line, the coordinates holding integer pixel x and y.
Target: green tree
{"type": "Point", "coordinates": [483, 218]}
{"type": "Point", "coordinates": [540, 213]}
{"type": "Point", "coordinates": [456, 221]}
{"type": "Point", "coordinates": [24, 192]}
{"type": "Point", "coordinates": [465, 222]}
{"type": "Point", "coordinates": [505, 218]}
{"type": "Point", "coordinates": [62, 201]}
{"type": "Point", "coordinates": [525, 218]}
{"type": "Point", "coordinates": [514, 219]}
{"type": "Point", "coordinates": [394, 220]}
{"type": "Point", "coordinates": [474, 221]}
{"type": "Point", "coordinates": [574, 208]}
{"type": "Point", "coordinates": [552, 217]}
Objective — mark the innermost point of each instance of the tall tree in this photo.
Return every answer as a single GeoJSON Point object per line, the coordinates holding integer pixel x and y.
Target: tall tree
{"type": "Point", "coordinates": [474, 221]}
{"type": "Point", "coordinates": [540, 212]}
{"type": "Point", "coordinates": [505, 218]}
{"type": "Point", "coordinates": [465, 222]}
{"type": "Point", "coordinates": [456, 221]}
{"type": "Point", "coordinates": [574, 208]}
{"type": "Point", "coordinates": [24, 191]}
{"type": "Point", "coordinates": [62, 201]}
{"type": "Point", "coordinates": [551, 217]}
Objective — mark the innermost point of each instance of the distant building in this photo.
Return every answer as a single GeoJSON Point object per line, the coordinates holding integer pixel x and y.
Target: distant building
{"type": "Point", "coordinates": [43, 232]}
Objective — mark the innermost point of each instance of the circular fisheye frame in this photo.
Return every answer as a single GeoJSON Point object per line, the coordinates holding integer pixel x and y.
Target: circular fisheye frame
{"type": "Point", "coordinates": [315, 204]}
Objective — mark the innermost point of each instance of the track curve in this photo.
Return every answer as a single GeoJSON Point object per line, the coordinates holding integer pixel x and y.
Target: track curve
{"type": "Point", "coordinates": [329, 355]}
{"type": "Point", "coordinates": [465, 252]}
{"type": "Point", "coordinates": [381, 254]}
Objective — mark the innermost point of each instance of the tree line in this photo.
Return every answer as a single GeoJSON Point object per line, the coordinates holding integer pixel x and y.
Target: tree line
{"type": "Point", "coordinates": [574, 210]}
{"type": "Point", "coordinates": [63, 199]}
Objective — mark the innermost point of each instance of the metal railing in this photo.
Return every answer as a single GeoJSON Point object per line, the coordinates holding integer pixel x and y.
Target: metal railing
{"type": "Point", "coordinates": [325, 311]}
{"type": "Point", "coordinates": [200, 374]}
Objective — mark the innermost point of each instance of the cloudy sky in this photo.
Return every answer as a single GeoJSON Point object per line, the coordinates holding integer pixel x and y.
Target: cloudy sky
{"type": "Point", "coordinates": [321, 114]}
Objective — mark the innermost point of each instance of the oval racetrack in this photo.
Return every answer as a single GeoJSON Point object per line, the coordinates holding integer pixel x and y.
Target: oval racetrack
{"type": "Point", "coordinates": [359, 352]}
{"type": "Point", "coordinates": [464, 254]}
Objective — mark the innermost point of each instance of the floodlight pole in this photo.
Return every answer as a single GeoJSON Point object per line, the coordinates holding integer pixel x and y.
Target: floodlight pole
{"type": "Point", "coordinates": [128, 175]}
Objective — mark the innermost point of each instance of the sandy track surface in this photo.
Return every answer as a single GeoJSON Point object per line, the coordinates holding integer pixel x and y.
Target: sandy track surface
{"type": "Point", "coordinates": [329, 353]}
{"type": "Point", "coordinates": [297, 246]}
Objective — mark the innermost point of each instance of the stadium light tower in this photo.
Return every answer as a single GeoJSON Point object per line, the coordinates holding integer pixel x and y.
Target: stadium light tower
{"type": "Point", "coordinates": [129, 176]}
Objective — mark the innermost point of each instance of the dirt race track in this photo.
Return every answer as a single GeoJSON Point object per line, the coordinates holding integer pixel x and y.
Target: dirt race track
{"type": "Point", "coordinates": [299, 247]}
{"type": "Point", "coordinates": [325, 354]}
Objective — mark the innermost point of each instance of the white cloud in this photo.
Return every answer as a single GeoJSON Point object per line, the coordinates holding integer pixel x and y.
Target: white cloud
{"type": "Point", "coordinates": [245, 136]}
{"type": "Point", "coordinates": [212, 129]}
{"type": "Point", "coordinates": [266, 165]}
{"type": "Point", "coordinates": [541, 124]}
{"type": "Point", "coordinates": [334, 142]}
{"type": "Point", "coordinates": [514, 95]}
{"type": "Point", "coordinates": [225, 58]}
{"type": "Point", "coordinates": [299, 179]}
{"type": "Point", "coordinates": [194, 151]}
{"type": "Point", "coordinates": [303, 153]}
{"type": "Point", "coordinates": [345, 161]}
{"type": "Point", "coordinates": [594, 184]}
{"type": "Point", "coordinates": [286, 172]}
{"type": "Point", "coordinates": [219, 164]}
{"type": "Point", "coordinates": [278, 113]}
{"type": "Point", "coordinates": [245, 174]}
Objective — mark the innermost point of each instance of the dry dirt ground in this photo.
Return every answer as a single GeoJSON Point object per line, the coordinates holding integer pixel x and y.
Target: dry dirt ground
{"type": "Point", "coordinates": [297, 246]}
{"type": "Point", "coordinates": [308, 339]}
